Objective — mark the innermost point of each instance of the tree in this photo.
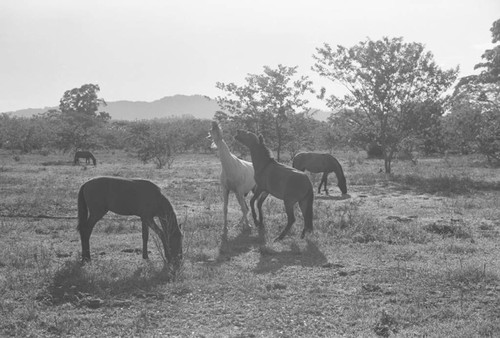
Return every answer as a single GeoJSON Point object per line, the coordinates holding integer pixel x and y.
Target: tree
{"type": "Point", "coordinates": [384, 79]}
{"type": "Point", "coordinates": [480, 96]}
{"type": "Point", "coordinates": [78, 117]}
{"type": "Point", "coordinates": [300, 133]}
{"type": "Point", "coordinates": [265, 103]}
{"type": "Point", "coordinates": [491, 65]}
{"type": "Point", "coordinates": [153, 143]}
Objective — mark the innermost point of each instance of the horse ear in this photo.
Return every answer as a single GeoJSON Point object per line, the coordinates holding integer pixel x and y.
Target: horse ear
{"type": "Point", "coordinates": [261, 139]}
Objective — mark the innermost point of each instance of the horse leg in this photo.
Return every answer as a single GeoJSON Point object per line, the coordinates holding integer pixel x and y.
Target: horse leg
{"type": "Point", "coordinates": [320, 184]}
{"type": "Point", "coordinates": [244, 210]}
{"type": "Point", "coordinates": [86, 231]}
{"type": "Point", "coordinates": [291, 220]}
{"type": "Point", "coordinates": [252, 207]}
{"type": "Point", "coordinates": [306, 206]}
{"type": "Point", "coordinates": [261, 200]}
{"type": "Point", "coordinates": [325, 180]}
{"type": "Point", "coordinates": [145, 237]}
{"type": "Point", "coordinates": [225, 197]}
{"type": "Point", "coordinates": [257, 195]}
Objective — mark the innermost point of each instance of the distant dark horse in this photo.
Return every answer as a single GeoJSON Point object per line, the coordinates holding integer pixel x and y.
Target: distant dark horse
{"type": "Point", "coordinates": [321, 163]}
{"type": "Point", "coordinates": [281, 181]}
{"type": "Point", "coordinates": [129, 197]}
{"type": "Point", "coordinates": [87, 155]}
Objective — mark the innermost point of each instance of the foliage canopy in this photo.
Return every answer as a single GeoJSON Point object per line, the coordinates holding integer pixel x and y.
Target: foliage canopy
{"type": "Point", "coordinates": [384, 80]}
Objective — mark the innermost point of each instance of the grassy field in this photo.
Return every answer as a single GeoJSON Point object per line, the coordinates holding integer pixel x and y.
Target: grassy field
{"type": "Point", "coordinates": [411, 255]}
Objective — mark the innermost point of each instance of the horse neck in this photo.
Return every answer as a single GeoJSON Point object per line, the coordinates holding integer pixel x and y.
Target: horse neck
{"type": "Point", "coordinates": [260, 158]}
{"type": "Point", "coordinates": [337, 169]}
{"type": "Point", "coordinates": [226, 157]}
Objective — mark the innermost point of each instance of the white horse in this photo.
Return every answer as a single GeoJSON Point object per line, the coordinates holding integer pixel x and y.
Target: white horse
{"type": "Point", "coordinates": [237, 175]}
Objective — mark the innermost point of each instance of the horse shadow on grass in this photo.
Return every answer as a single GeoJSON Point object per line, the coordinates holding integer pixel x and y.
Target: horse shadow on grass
{"type": "Point", "coordinates": [272, 260]}
{"type": "Point", "coordinates": [242, 243]}
{"type": "Point", "coordinates": [80, 284]}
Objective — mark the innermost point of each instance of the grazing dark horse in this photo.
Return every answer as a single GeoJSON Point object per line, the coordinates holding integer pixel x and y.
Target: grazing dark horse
{"type": "Point", "coordinates": [321, 163]}
{"type": "Point", "coordinates": [129, 197]}
{"type": "Point", "coordinates": [281, 181]}
{"type": "Point", "coordinates": [87, 155]}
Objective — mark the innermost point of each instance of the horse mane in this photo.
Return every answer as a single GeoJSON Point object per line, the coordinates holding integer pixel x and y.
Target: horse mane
{"type": "Point", "coordinates": [265, 149]}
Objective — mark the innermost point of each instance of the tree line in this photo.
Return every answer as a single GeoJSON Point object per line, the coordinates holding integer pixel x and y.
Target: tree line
{"type": "Point", "coordinates": [396, 100]}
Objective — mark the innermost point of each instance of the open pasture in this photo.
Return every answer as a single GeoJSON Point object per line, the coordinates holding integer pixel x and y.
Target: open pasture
{"type": "Point", "coordinates": [415, 254]}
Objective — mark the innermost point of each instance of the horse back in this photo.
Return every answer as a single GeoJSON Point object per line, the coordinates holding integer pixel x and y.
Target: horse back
{"type": "Point", "coordinates": [123, 196]}
{"type": "Point", "coordinates": [284, 182]}
{"type": "Point", "coordinates": [316, 162]}
{"type": "Point", "coordinates": [239, 177]}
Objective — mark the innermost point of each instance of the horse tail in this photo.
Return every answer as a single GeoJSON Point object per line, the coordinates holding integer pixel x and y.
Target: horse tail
{"type": "Point", "coordinates": [82, 210]}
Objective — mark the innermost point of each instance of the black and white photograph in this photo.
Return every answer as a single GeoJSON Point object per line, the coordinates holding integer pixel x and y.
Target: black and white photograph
{"type": "Point", "coordinates": [250, 168]}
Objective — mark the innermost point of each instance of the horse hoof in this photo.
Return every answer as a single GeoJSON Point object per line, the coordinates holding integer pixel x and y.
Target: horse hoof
{"type": "Point", "coordinates": [304, 232]}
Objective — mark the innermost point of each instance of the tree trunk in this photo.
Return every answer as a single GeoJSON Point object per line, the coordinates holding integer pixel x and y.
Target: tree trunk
{"type": "Point", "coordinates": [387, 163]}
{"type": "Point", "coordinates": [388, 154]}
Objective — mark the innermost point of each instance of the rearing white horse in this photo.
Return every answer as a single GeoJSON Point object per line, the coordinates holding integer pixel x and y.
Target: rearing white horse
{"type": "Point", "coordinates": [236, 176]}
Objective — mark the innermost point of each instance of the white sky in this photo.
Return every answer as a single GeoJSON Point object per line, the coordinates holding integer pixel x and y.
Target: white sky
{"type": "Point", "coordinates": [144, 50]}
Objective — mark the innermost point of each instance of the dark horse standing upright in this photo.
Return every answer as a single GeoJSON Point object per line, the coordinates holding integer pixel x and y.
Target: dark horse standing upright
{"type": "Point", "coordinates": [321, 163]}
{"type": "Point", "coordinates": [87, 155]}
{"type": "Point", "coordinates": [281, 181]}
{"type": "Point", "coordinates": [129, 197]}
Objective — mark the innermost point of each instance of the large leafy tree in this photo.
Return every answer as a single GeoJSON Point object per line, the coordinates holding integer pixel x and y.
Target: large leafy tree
{"type": "Point", "coordinates": [476, 102]}
{"type": "Point", "coordinates": [491, 65]}
{"type": "Point", "coordinates": [266, 103]}
{"type": "Point", "coordinates": [78, 118]}
{"type": "Point", "coordinates": [384, 80]}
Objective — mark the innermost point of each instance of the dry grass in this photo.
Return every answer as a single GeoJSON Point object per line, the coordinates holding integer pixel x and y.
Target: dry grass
{"type": "Point", "coordinates": [413, 254]}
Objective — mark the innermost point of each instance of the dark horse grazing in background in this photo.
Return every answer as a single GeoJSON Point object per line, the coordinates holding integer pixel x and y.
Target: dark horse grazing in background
{"type": "Point", "coordinates": [281, 181]}
{"type": "Point", "coordinates": [129, 197]}
{"type": "Point", "coordinates": [87, 155]}
{"type": "Point", "coordinates": [321, 163]}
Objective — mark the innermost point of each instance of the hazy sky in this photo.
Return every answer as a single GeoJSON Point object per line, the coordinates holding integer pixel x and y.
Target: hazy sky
{"type": "Point", "coordinates": [144, 50]}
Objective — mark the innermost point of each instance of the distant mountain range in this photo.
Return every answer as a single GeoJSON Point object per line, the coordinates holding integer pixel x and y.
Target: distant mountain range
{"type": "Point", "coordinates": [197, 106]}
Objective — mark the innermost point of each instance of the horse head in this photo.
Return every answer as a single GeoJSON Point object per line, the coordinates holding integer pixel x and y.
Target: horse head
{"type": "Point", "coordinates": [247, 138]}
{"type": "Point", "coordinates": [172, 232]}
{"type": "Point", "coordinates": [215, 134]}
